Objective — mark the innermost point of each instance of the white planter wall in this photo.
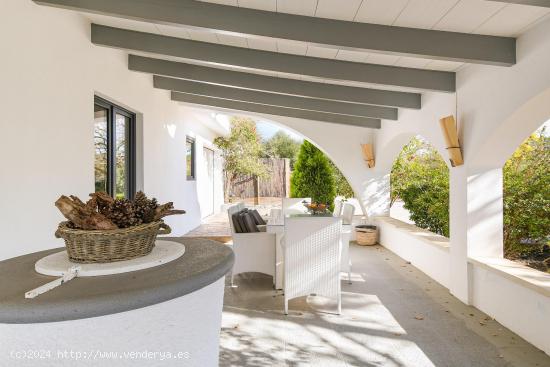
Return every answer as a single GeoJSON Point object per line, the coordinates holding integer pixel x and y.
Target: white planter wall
{"type": "Point", "coordinates": [512, 303]}
{"type": "Point", "coordinates": [523, 308]}
{"type": "Point", "coordinates": [49, 74]}
{"type": "Point", "coordinates": [425, 250]}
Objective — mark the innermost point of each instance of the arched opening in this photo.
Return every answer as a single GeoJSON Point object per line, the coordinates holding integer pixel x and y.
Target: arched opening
{"type": "Point", "coordinates": [526, 199]}
{"type": "Point", "coordinates": [419, 183]}
{"type": "Point", "coordinates": [260, 162]}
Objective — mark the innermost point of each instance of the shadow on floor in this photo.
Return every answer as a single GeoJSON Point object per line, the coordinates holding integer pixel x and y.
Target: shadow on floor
{"type": "Point", "coordinates": [393, 315]}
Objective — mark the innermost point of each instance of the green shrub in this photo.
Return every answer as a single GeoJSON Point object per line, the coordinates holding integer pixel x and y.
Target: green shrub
{"type": "Point", "coordinates": [312, 176]}
{"type": "Point", "coordinates": [527, 199]}
{"type": "Point", "coordinates": [420, 178]}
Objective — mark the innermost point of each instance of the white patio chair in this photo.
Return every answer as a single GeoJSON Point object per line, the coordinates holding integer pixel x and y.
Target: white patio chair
{"type": "Point", "coordinates": [294, 205]}
{"type": "Point", "coordinates": [337, 207]}
{"type": "Point", "coordinates": [348, 210]}
{"type": "Point", "coordinates": [312, 249]}
{"type": "Point", "coordinates": [254, 252]}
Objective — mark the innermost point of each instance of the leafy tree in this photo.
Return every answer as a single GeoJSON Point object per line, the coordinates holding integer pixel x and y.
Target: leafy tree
{"type": "Point", "coordinates": [282, 145]}
{"type": "Point", "coordinates": [420, 178]}
{"type": "Point", "coordinates": [527, 200]}
{"type": "Point", "coordinates": [312, 175]}
{"type": "Point", "coordinates": [241, 152]}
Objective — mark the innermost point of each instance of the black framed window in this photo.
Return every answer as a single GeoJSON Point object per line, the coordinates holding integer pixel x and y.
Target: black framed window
{"type": "Point", "coordinates": [190, 157]}
{"type": "Point", "coordinates": [115, 150]}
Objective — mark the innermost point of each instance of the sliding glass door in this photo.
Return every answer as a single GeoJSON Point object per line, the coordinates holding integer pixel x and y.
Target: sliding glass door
{"type": "Point", "coordinates": [114, 140]}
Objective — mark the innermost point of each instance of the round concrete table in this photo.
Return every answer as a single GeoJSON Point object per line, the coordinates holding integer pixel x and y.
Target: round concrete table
{"type": "Point", "coordinates": [167, 315]}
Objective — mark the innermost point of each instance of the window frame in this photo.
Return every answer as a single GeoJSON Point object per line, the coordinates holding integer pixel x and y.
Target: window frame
{"type": "Point", "coordinates": [112, 111]}
{"type": "Point", "coordinates": [191, 176]}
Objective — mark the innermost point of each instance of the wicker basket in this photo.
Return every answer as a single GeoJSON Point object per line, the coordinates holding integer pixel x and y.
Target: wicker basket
{"type": "Point", "coordinates": [366, 235]}
{"type": "Point", "coordinates": [109, 246]}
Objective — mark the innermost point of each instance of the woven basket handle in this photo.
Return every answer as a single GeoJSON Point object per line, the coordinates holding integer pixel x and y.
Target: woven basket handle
{"type": "Point", "coordinates": [164, 229]}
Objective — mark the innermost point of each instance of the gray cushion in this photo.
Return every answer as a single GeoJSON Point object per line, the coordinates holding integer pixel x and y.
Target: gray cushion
{"type": "Point", "coordinates": [241, 222]}
{"type": "Point", "coordinates": [237, 223]}
{"type": "Point", "coordinates": [249, 222]}
{"type": "Point", "coordinates": [257, 217]}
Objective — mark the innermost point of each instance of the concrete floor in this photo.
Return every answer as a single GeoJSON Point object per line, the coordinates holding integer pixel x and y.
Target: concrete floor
{"type": "Point", "coordinates": [393, 315]}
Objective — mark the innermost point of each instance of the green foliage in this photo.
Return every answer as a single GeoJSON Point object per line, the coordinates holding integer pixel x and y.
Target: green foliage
{"type": "Point", "coordinates": [241, 151]}
{"type": "Point", "coordinates": [527, 199]}
{"type": "Point", "coordinates": [312, 176]}
{"type": "Point", "coordinates": [343, 187]}
{"type": "Point", "coordinates": [420, 178]}
{"type": "Point", "coordinates": [281, 145]}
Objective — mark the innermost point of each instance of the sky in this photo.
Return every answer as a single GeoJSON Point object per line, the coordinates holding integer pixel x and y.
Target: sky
{"type": "Point", "coordinates": [266, 130]}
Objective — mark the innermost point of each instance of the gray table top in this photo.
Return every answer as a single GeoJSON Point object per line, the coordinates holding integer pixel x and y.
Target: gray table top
{"type": "Point", "coordinates": [203, 263]}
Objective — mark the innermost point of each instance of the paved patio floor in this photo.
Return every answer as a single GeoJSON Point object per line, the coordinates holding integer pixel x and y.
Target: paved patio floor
{"type": "Point", "coordinates": [393, 315]}
{"type": "Point", "coordinates": [216, 227]}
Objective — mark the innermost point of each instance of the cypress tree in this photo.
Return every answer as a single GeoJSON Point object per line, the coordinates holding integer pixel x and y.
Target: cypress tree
{"type": "Point", "coordinates": [312, 176]}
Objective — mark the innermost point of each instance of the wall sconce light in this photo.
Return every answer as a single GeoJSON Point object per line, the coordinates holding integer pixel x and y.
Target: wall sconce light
{"type": "Point", "coordinates": [449, 130]}
{"type": "Point", "coordinates": [368, 154]}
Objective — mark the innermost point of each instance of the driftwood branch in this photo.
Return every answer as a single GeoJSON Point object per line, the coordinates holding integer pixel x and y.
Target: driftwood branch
{"type": "Point", "coordinates": [102, 212]}
{"type": "Point", "coordinates": [81, 215]}
{"type": "Point", "coordinates": [165, 210]}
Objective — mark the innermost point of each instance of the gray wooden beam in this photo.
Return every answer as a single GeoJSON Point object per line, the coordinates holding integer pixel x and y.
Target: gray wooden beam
{"type": "Point", "coordinates": [276, 110]}
{"type": "Point", "coordinates": [274, 85]}
{"type": "Point", "coordinates": [274, 61]}
{"type": "Point", "coordinates": [318, 31]}
{"type": "Point", "coordinates": [541, 3]}
{"type": "Point", "coordinates": [273, 99]}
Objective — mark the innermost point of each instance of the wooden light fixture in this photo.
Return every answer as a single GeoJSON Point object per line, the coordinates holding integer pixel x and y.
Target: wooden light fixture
{"type": "Point", "coordinates": [449, 130]}
{"type": "Point", "coordinates": [368, 154]}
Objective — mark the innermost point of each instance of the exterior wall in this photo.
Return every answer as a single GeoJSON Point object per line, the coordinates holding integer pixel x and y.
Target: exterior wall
{"type": "Point", "coordinates": [50, 73]}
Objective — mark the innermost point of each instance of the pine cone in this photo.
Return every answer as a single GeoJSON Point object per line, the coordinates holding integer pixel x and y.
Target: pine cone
{"type": "Point", "coordinates": [122, 212]}
{"type": "Point", "coordinates": [144, 207]}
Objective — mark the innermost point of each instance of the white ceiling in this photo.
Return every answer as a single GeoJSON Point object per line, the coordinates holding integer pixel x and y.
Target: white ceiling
{"type": "Point", "coordinates": [468, 16]}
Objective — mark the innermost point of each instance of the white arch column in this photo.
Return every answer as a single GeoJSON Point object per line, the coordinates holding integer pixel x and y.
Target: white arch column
{"type": "Point", "coordinates": [375, 195]}
{"type": "Point", "coordinates": [475, 222]}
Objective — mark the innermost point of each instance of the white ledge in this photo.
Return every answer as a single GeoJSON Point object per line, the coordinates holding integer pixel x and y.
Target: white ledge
{"type": "Point", "coordinates": [518, 273]}
{"type": "Point", "coordinates": [422, 234]}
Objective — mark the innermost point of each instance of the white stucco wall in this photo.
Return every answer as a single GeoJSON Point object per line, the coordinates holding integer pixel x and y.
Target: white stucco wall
{"type": "Point", "coordinates": [496, 108]}
{"type": "Point", "coordinates": [184, 331]}
{"type": "Point", "coordinates": [49, 74]}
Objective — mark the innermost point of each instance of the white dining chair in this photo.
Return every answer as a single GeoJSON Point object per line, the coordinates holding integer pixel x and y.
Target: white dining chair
{"type": "Point", "coordinates": [348, 210]}
{"type": "Point", "coordinates": [254, 252]}
{"type": "Point", "coordinates": [337, 207]}
{"type": "Point", "coordinates": [312, 253]}
{"type": "Point", "coordinates": [295, 205]}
